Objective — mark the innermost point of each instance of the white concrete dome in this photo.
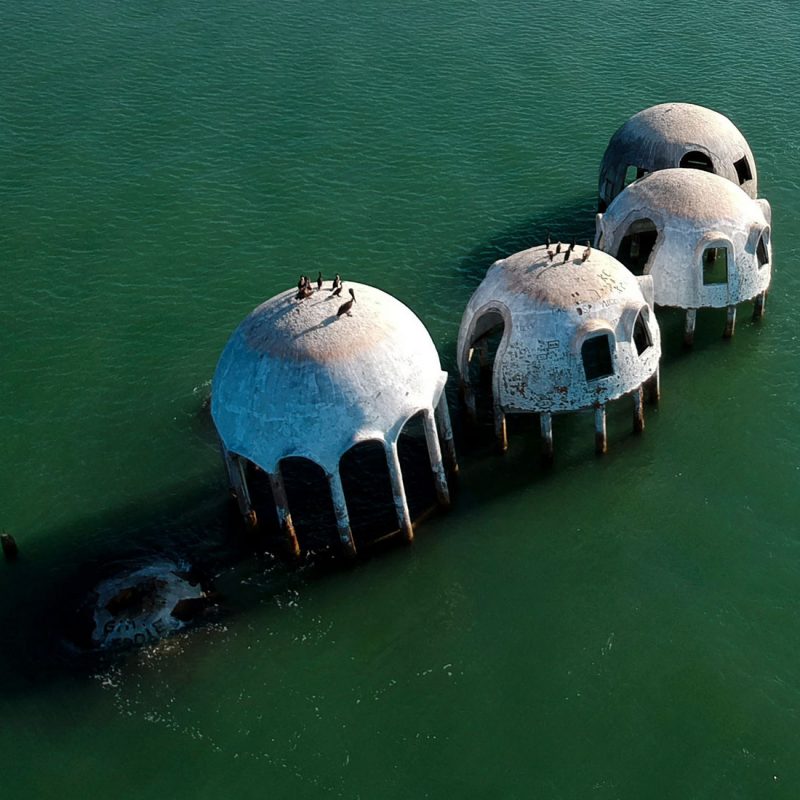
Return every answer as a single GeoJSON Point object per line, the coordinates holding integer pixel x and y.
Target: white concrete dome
{"type": "Point", "coordinates": [701, 238]}
{"type": "Point", "coordinates": [575, 335]}
{"type": "Point", "coordinates": [673, 135]}
{"type": "Point", "coordinates": [296, 380]}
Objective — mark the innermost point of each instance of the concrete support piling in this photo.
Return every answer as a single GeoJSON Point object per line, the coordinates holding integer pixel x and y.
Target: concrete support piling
{"type": "Point", "coordinates": [399, 492]}
{"type": "Point", "coordinates": [282, 510]}
{"type": "Point", "coordinates": [546, 428]}
{"type": "Point", "coordinates": [238, 483]}
{"type": "Point", "coordinates": [600, 436]}
{"type": "Point", "coordinates": [730, 322]}
{"type": "Point", "coordinates": [446, 434]}
{"type": "Point", "coordinates": [500, 432]}
{"type": "Point", "coordinates": [638, 410]}
{"type": "Point", "coordinates": [689, 325]}
{"type": "Point", "coordinates": [342, 517]}
{"type": "Point", "coordinates": [435, 455]}
{"type": "Point", "coordinates": [760, 306]}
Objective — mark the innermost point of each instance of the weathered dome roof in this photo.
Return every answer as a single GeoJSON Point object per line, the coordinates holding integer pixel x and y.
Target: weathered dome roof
{"type": "Point", "coordinates": [548, 309]}
{"type": "Point", "coordinates": [659, 137]}
{"type": "Point", "coordinates": [297, 380]}
{"type": "Point", "coordinates": [690, 195]}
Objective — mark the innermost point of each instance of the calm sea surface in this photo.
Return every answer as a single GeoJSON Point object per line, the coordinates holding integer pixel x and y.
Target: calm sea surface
{"type": "Point", "coordinates": [618, 628]}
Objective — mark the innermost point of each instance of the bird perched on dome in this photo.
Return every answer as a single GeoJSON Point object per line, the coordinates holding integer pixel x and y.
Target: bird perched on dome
{"type": "Point", "coordinates": [587, 252]}
{"type": "Point", "coordinates": [346, 308]}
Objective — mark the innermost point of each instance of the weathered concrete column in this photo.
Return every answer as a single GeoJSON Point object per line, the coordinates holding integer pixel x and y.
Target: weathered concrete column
{"type": "Point", "coordinates": [546, 428]}
{"type": "Point", "coordinates": [238, 484]}
{"type": "Point", "coordinates": [500, 431]}
{"type": "Point", "coordinates": [688, 328]}
{"type": "Point", "coordinates": [340, 510]}
{"type": "Point", "coordinates": [446, 434]}
{"type": "Point", "coordinates": [282, 510]}
{"type": "Point", "coordinates": [653, 395]}
{"type": "Point", "coordinates": [399, 491]}
{"type": "Point", "coordinates": [730, 322]}
{"type": "Point", "coordinates": [638, 410]}
{"type": "Point", "coordinates": [600, 437]}
{"type": "Point", "coordinates": [468, 393]}
{"type": "Point", "coordinates": [760, 305]}
{"type": "Point", "coordinates": [435, 455]}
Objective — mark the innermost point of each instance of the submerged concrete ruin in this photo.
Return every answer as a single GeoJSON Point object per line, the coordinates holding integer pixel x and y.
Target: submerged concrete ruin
{"type": "Point", "coordinates": [704, 242]}
{"type": "Point", "coordinates": [301, 378]}
{"type": "Point", "coordinates": [577, 330]}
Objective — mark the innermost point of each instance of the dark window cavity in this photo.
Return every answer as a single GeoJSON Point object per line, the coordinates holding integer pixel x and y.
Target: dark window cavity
{"type": "Point", "coordinates": [641, 334]}
{"type": "Point", "coordinates": [697, 160]}
{"type": "Point", "coordinates": [742, 167]}
{"type": "Point", "coordinates": [715, 265]}
{"type": "Point", "coordinates": [761, 250]}
{"type": "Point", "coordinates": [635, 248]}
{"type": "Point", "coordinates": [596, 355]}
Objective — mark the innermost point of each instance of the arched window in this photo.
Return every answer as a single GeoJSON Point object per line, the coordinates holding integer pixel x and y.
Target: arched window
{"type": "Point", "coordinates": [489, 331]}
{"type": "Point", "coordinates": [697, 160]}
{"type": "Point", "coordinates": [637, 245]}
{"type": "Point", "coordinates": [368, 491]}
{"type": "Point", "coordinates": [715, 265]}
{"type": "Point", "coordinates": [641, 334]}
{"type": "Point", "coordinates": [596, 357]}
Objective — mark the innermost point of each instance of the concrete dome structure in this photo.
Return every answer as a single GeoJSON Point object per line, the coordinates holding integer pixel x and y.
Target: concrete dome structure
{"type": "Point", "coordinates": [676, 135]}
{"type": "Point", "coordinates": [576, 334]}
{"type": "Point", "coordinates": [296, 379]}
{"type": "Point", "coordinates": [705, 243]}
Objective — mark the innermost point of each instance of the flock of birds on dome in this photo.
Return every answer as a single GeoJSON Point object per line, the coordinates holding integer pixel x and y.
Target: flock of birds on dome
{"type": "Point", "coordinates": [551, 254]}
{"type": "Point", "coordinates": [306, 290]}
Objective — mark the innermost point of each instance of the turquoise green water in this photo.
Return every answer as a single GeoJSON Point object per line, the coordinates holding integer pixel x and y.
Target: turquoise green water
{"type": "Point", "coordinates": [622, 628]}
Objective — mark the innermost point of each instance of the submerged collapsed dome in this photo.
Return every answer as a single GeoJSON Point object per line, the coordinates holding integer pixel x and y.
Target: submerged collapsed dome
{"type": "Point", "coordinates": [578, 331]}
{"type": "Point", "coordinates": [704, 242]}
{"type": "Point", "coordinates": [299, 379]}
{"type": "Point", "coordinates": [673, 135]}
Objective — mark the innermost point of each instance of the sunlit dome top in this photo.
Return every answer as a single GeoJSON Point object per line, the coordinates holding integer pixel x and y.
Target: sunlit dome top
{"type": "Point", "coordinates": [295, 379]}
{"type": "Point", "coordinates": [677, 135]}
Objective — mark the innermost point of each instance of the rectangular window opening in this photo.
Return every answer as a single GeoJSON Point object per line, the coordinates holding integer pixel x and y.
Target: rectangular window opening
{"type": "Point", "coordinates": [715, 265]}
{"type": "Point", "coordinates": [641, 335]}
{"type": "Point", "coordinates": [742, 167]}
{"type": "Point", "coordinates": [596, 355]}
{"type": "Point", "coordinates": [761, 252]}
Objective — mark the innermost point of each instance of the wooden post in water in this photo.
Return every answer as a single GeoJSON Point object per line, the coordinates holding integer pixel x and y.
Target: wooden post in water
{"type": "Point", "coordinates": [399, 491]}
{"type": "Point", "coordinates": [500, 431]}
{"type": "Point", "coordinates": [282, 509]}
{"type": "Point", "coordinates": [730, 322]}
{"type": "Point", "coordinates": [340, 510]}
{"type": "Point", "coordinates": [600, 437]}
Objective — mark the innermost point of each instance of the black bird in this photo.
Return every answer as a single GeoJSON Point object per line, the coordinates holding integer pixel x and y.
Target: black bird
{"type": "Point", "coordinates": [558, 248]}
{"type": "Point", "coordinates": [566, 256]}
{"type": "Point", "coordinates": [337, 282]}
{"type": "Point", "coordinates": [319, 282]}
{"type": "Point", "coordinates": [337, 291]}
{"type": "Point", "coordinates": [344, 308]}
{"type": "Point", "coordinates": [547, 241]}
{"type": "Point", "coordinates": [571, 248]}
{"type": "Point", "coordinates": [550, 254]}
{"type": "Point", "coordinates": [587, 252]}
{"type": "Point", "coordinates": [301, 283]}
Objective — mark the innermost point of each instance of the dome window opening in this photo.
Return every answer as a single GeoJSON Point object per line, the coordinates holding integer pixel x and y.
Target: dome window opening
{"type": "Point", "coordinates": [481, 358]}
{"type": "Point", "coordinates": [697, 160]}
{"type": "Point", "coordinates": [641, 334]}
{"type": "Point", "coordinates": [596, 357]}
{"type": "Point", "coordinates": [743, 171]}
{"type": "Point", "coordinates": [715, 266]}
{"type": "Point", "coordinates": [637, 245]}
{"type": "Point", "coordinates": [762, 254]}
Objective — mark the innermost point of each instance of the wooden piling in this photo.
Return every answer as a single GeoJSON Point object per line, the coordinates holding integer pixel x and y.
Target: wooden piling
{"type": "Point", "coordinates": [638, 410]}
{"type": "Point", "coordinates": [760, 306]}
{"type": "Point", "coordinates": [342, 517]}
{"type": "Point", "coordinates": [446, 434]}
{"type": "Point", "coordinates": [282, 510]}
